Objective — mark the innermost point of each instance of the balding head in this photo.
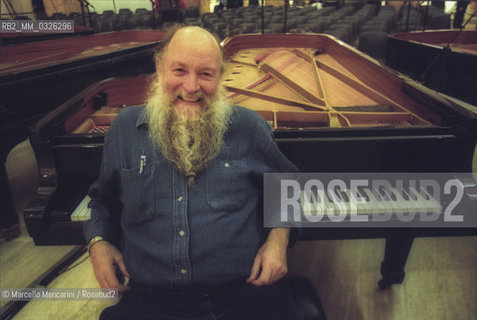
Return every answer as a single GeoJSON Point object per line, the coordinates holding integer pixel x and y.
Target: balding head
{"type": "Point", "coordinates": [189, 68]}
{"type": "Point", "coordinates": [189, 38]}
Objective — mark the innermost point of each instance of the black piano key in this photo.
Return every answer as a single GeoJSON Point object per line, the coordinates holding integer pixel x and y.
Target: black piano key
{"type": "Point", "coordinates": [363, 193]}
{"type": "Point", "coordinates": [344, 196]}
{"type": "Point", "coordinates": [392, 195]}
{"type": "Point", "coordinates": [329, 197]}
{"type": "Point", "coordinates": [410, 193]}
{"type": "Point", "coordinates": [404, 194]}
{"type": "Point", "coordinates": [318, 198]}
{"type": "Point", "coordinates": [377, 195]}
{"type": "Point", "coordinates": [383, 193]}
{"type": "Point", "coordinates": [426, 194]}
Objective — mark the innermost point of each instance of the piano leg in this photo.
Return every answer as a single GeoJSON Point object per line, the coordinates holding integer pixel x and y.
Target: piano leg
{"type": "Point", "coordinates": [395, 257]}
{"type": "Point", "coordinates": [9, 137]}
{"type": "Point", "coordinates": [9, 227]}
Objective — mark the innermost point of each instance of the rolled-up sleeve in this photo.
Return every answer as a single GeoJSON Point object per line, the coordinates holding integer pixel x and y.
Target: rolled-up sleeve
{"type": "Point", "coordinates": [104, 192]}
{"type": "Point", "coordinates": [269, 154]}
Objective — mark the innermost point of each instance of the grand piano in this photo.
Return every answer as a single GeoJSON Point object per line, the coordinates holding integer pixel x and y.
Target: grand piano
{"type": "Point", "coordinates": [332, 109]}
{"type": "Point", "coordinates": [37, 76]}
{"type": "Point", "coordinates": [444, 60]}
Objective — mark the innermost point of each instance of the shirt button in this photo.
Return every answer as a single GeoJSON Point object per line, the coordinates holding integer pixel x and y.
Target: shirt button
{"type": "Point", "coordinates": [180, 198]}
{"type": "Point", "coordinates": [227, 165]}
{"type": "Point", "coordinates": [181, 233]}
{"type": "Point", "coordinates": [183, 271]}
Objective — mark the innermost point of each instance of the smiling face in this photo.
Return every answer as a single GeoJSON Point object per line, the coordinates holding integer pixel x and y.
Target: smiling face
{"type": "Point", "coordinates": [190, 70]}
{"type": "Point", "coordinates": [187, 108]}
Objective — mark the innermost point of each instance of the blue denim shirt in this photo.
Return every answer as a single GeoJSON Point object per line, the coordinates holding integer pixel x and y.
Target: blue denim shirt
{"type": "Point", "coordinates": [172, 235]}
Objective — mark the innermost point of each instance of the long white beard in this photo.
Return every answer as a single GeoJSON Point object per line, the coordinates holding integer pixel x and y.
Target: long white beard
{"type": "Point", "coordinates": [188, 143]}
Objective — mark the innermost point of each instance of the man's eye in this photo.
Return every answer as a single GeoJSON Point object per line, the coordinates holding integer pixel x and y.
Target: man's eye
{"type": "Point", "coordinates": [206, 74]}
{"type": "Point", "coordinates": [179, 70]}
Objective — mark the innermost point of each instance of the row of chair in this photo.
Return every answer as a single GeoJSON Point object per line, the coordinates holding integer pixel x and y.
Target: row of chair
{"type": "Point", "coordinates": [365, 26]}
{"type": "Point", "coordinates": [373, 34]}
{"type": "Point", "coordinates": [427, 17]}
{"type": "Point", "coordinates": [343, 23]}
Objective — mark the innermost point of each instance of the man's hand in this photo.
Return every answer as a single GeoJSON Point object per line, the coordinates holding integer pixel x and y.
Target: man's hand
{"type": "Point", "coordinates": [270, 263]}
{"type": "Point", "coordinates": [105, 259]}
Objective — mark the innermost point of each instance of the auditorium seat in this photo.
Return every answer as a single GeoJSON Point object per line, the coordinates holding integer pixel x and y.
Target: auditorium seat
{"type": "Point", "coordinates": [373, 43]}
{"type": "Point", "coordinates": [135, 21]}
{"type": "Point", "coordinates": [439, 21]}
{"type": "Point", "coordinates": [341, 32]}
{"type": "Point", "coordinates": [148, 20]}
{"type": "Point", "coordinates": [125, 12]}
{"type": "Point", "coordinates": [192, 12]}
{"type": "Point", "coordinates": [292, 24]}
{"type": "Point", "coordinates": [108, 13]}
{"type": "Point", "coordinates": [276, 27]}
{"type": "Point", "coordinates": [123, 21]}
{"type": "Point", "coordinates": [301, 19]}
{"type": "Point", "coordinates": [248, 27]}
{"type": "Point", "coordinates": [373, 27]}
{"type": "Point", "coordinates": [54, 16]}
{"type": "Point", "coordinates": [142, 11]}
{"type": "Point", "coordinates": [234, 32]}
{"type": "Point", "coordinates": [192, 22]}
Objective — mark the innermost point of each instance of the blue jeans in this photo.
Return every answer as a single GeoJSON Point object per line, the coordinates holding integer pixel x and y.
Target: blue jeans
{"type": "Point", "coordinates": [238, 301]}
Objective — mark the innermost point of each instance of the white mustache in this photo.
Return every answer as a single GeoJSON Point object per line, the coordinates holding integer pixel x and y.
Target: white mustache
{"type": "Point", "coordinates": [191, 98]}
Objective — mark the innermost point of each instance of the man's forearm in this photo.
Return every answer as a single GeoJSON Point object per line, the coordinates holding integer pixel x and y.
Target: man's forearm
{"type": "Point", "coordinates": [279, 236]}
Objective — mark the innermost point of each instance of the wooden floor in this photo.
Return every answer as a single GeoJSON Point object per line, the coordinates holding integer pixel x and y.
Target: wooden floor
{"type": "Point", "coordinates": [440, 284]}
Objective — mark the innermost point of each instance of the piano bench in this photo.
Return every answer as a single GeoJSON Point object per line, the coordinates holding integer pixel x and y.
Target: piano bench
{"type": "Point", "coordinates": [306, 298]}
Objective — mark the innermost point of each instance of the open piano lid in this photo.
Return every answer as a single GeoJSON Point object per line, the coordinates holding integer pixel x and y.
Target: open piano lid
{"type": "Point", "coordinates": [39, 59]}
{"type": "Point", "coordinates": [307, 82]}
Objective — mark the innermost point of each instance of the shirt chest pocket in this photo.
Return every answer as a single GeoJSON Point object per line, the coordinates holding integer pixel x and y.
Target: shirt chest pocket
{"type": "Point", "coordinates": [225, 185]}
{"type": "Point", "coordinates": [137, 195]}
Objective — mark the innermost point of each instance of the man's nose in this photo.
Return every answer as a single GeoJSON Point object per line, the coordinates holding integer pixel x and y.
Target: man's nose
{"type": "Point", "coordinates": [191, 84]}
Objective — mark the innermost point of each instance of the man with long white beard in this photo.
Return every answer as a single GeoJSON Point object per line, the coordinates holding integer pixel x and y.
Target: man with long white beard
{"type": "Point", "coordinates": [177, 207]}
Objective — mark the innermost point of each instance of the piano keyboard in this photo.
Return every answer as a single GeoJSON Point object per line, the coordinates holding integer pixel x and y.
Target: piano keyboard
{"type": "Point", "coordinates": [82, 212]}
{"type": "Point", "coordinates": [378, 201]}
{"type": "Point", "coordinates": [99, 130]}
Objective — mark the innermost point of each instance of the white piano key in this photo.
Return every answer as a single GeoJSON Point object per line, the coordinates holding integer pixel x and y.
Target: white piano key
{"type": "Point", "coordinates": [432, 203]}
{"type": "Point", "coordinates": [397, 206]}
{"type": "Point", "coordinates": [339, 202]}
{"type": "Point", "coordinates": [406, 206]}
{"type": "Point", "coordinates": [82, 212]}
{"type": "Point", "coordinates": [308, 204]}
{"type": "Point", "coordinates": [330, 207]}
{"type": "Point", "coordinates": [385, 199]}
{"type": "Point", "coordinates": [86, 214]}
{"type": "Point", "coordinates": [312, 206]}
{"type": "Point", "coordinates": [411, 201]}
{"type": "Point", "coordinates": [377, 206]}
{"type": "Point", "coordinates": [424, 205]}
{"type": "Point", "coordinates": [362, 207]}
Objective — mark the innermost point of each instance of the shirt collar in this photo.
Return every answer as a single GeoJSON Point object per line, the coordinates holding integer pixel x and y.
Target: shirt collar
{"type": "Point", "coordinates": [142, 118]}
